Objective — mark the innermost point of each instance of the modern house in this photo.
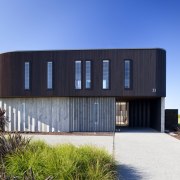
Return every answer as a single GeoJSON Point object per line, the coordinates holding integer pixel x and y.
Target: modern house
{"type": "Point", "coordinates": [83, 90]}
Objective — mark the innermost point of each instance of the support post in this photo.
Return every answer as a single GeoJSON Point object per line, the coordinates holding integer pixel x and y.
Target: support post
{"type": "Point", "coordinates": [162, 114]}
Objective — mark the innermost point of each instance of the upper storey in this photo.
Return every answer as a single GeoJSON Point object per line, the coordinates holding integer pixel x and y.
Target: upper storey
{"type": "Point", "coordinates": [123, 73]}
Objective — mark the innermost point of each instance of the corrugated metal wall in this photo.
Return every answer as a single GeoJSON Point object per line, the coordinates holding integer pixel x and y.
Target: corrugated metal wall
{"type": "Point", "coordinates": [59, 114]}
{"type": "Point", "coordinates": [92, 114]}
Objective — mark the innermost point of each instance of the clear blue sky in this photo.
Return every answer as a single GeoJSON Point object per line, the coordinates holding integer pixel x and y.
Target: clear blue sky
{"type": "Point", "coordinates": [79, 24]}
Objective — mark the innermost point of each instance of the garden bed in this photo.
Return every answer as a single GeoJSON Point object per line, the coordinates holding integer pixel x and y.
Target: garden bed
{"type": "Point", "coordinates": [23, 158]}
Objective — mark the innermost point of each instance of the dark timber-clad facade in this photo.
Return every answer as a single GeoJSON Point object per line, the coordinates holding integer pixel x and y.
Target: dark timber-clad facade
{"type": "Point", "coordinates": [83, 90]}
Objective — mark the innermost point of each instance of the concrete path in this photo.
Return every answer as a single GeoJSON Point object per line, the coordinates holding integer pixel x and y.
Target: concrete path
{"type": "Point", "coordinates": [105, 142]}
{"type": "Point", "coordinates": [147, 155]}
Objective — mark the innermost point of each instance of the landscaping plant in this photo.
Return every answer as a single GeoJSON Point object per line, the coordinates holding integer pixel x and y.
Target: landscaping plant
{"type": "Point", "coordinates": [3, 120]}
{"type": "Point", "coordinates": [23, 159]}
{"type": "Point", "coordinates": [11, 142]}
{"type": "Point", "coordinates": [61, 162]}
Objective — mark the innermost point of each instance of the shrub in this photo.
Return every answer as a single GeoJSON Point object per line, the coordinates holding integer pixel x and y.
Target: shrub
{"type": "Point", "coordinates": [61, 162]}
{"type": "Point", "coordinates": [9, 143]}
{"type": "Point", "coordinates": [3, 120]}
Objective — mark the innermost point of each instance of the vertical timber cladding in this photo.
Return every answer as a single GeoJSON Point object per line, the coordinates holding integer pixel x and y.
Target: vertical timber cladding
{"type": "Point", "coordinates": [92, 114]}
{"type": "Point", "coordinates": [139, 113]}
{"type": "Point", "coordinates": [37, 114]}
{"type": "Point", "coordinates": [147, 113]}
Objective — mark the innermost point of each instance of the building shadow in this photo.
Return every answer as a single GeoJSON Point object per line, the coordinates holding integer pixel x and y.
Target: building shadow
{"type": "Point", "coordinates": [126, 172]}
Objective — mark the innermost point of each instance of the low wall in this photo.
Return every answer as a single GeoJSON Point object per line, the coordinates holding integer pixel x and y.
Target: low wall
{"type": "Point", "coordinates": [171, 119]}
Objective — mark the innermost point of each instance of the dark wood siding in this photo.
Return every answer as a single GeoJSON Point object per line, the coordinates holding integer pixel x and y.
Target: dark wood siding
{"type": "Point", "coordinates": [145, 113]}
{"type": "Point", "coordinates": [149, 72]}
{"type": "Point", "coordinates": [161, 73]}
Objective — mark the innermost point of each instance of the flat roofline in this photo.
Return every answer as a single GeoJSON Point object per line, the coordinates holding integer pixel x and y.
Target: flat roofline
{"type": "Point", "coordinates": [93, 49]}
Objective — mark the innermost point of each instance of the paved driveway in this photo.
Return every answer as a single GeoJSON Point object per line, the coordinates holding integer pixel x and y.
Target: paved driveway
{"type": "Point", "coordinates": [147, 154]}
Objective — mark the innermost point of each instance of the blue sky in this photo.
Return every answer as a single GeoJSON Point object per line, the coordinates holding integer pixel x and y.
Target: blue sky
{"type": "Point", "coordinates": [81, 24]}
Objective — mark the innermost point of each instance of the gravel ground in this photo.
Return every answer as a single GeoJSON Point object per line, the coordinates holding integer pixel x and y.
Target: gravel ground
{"type": "Point", "coordinates": [103, 141]}
{"type": "Point", "coordinates": [147, 155]}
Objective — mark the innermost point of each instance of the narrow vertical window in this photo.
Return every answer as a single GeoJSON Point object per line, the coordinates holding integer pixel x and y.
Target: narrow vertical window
{"type": "Point", "coordinates": [88, 74]}
{"type": "Point", "coordinates": [26, 76]}
{"type": "Point", "coordinates": [105, 83]}
{"type": "Point", "coordinates": [78, 82]}
{"type": "Point", "coordinates": [49, 75]}
{"type": "Point", "coordinates": [127, 74]}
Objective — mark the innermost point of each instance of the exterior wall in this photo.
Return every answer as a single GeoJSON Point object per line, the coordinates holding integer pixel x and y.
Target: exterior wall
{"type": "Point", "coordinates": [60, 114]}
{"type": "Point", "coordinates": [161, 73]}
{"type": "Point", "coordinates": [155, 114]}
{"type": "Point", "coordinates": [148, 73]}
{"type": "Point", "coordinates": [147, 113]}
{"type": "Point", "coordinates": [139, 113]}
{"type": "Point", "coordinates": [92, 114]}
{"type": "Point", "coordinates": [64, 108]}
{"type": "Point", "coordinates": [37, 114]}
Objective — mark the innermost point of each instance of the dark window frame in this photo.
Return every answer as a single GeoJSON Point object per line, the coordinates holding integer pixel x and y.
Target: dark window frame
{"type": "Point", "coordinates": [131, 75]}
{"type": "Point", "coordinates": [109, 70]}
{"type": "Point", "coordinates": [30, 76]}
{"type": "Point", "coordinates": [50, 89]}
{"type": "Point", "coordinates": [91, 72]}
{"type": "Point", "coordinates": [79, 60]}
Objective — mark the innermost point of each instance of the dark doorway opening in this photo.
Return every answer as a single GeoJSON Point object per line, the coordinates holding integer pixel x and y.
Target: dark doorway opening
{"type": "Point", "coordinates": [138, 113]}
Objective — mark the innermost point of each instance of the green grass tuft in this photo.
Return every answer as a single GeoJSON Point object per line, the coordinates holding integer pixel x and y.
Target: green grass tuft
{"type": "Point", "coordinates": [61, 162]}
